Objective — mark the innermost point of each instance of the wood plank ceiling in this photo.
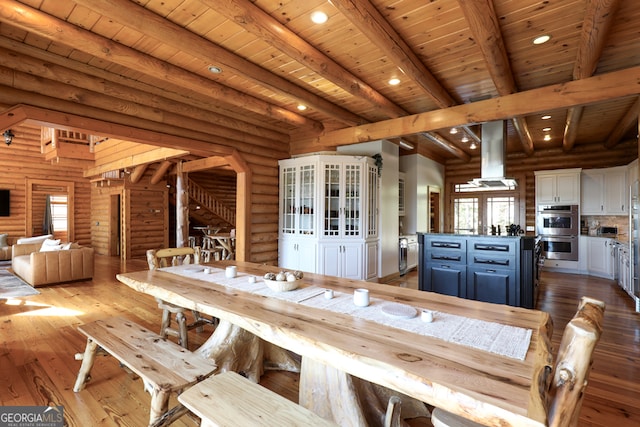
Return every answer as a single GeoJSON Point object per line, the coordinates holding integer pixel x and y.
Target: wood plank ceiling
{"type": "Point", "coordinates": [146, 64]}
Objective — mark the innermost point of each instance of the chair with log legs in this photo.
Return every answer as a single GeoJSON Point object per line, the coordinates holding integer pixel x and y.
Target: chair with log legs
{"type": "Point", "coordinates": [568, 378]}
{"type": "Point", "coordinates": [171, 257]}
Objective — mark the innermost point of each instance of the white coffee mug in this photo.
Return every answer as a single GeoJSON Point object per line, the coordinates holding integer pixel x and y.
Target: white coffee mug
{"type": "Point", "coordinates": [230, 272]}
{"type": "Point", "coordinates": [426, 316]}
{"type": "Point", "coordinates": [328, 293]}
{"type": "Point", "coordinates": [252, 279]}
{"type": "Point", "coordinates": [361, 297]}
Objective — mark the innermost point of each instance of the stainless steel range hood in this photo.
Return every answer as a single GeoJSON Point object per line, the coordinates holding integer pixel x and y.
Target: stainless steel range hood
{"type": "Point", "coordinates": [493, 153]}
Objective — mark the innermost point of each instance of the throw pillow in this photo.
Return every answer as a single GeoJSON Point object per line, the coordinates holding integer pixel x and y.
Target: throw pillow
{"type": "Point", "coordinates": [3, 240]}
{"type": "Point", "coordinates": [36, 239]}
{"type": "Point", "coordinates": [50, 244]}
{"type": "Point", "coordinates": [66, 246]}
{"type": "Point", "coordinates": [50, 248]}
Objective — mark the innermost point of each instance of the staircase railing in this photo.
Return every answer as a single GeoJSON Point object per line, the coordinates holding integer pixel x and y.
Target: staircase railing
{"type": "Point", "coordinates": [207, 201]}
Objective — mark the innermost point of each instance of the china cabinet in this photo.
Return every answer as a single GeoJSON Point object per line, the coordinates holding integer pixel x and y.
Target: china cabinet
{"type": "Point", "coordinates": [329, 215]}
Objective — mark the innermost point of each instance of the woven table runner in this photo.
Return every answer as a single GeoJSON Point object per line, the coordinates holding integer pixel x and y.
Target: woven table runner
{"type": "Point", "coordinates": [497, 338]}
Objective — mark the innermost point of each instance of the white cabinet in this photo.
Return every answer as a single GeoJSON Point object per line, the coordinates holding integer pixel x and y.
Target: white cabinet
{"type": "Point", "coordinates": [616, 196]}
{"type": "Point", "coordinates": [558, 186]}
{"type": "Point", "coordinates": [342, 260]}
{"type": "Point", "coordinates": [604, 191]}
{"type": "Point", "coordinates": [412, 252]}
{"type": "Point", "coordinates": [297, 254]}
{"type": "Point", "coordinates": [592, 186]}
{"type": "Point", "coordinates": [329, 202]}
{"type": "Point", "coordinates": [600, 257]}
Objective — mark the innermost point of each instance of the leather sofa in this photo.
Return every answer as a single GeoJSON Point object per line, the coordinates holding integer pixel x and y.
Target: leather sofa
{"type": "Point", "coordinates": [44, 268]}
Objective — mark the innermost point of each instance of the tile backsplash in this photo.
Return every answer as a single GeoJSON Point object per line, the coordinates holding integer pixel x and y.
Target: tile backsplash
{"type": "Point", "coordinates": [620, 221]}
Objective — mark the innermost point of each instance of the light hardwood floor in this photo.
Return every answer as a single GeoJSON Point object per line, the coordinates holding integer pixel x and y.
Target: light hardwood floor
{"type": "Point", "coordinates": [38, 340]}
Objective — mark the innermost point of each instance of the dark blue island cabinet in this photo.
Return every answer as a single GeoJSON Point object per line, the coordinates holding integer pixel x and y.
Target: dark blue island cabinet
{"type": "Point", "coordinates": [496, 269]}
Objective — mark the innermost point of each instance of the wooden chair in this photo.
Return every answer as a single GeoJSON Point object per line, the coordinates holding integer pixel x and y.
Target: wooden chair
{"type": "Point", "coordinates": [569, 376]}
{"type": "Point", "coordinates": [170, 257]}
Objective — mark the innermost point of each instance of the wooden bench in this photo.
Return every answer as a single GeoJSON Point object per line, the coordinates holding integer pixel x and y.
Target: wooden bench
{"type": "Point", "coordinates": [229, 399]}
{"type": "Point", "coordinates": [164, 366]}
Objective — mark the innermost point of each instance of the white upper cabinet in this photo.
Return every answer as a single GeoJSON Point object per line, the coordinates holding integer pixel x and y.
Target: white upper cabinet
{"type": "Point", "coordinates": [604, 191]}
{"type": "Point", "coordinates": [558, 186]}
{"type": "Point", "coordinates": [592, 202]}
{"type": "Point", "coordinates": [616, 191]}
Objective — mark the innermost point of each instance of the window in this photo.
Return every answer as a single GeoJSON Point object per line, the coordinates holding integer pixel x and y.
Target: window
{"type": "Point", "coordinates": [59, 212]}
{"type": "Point", "coordinates": [482, 211]}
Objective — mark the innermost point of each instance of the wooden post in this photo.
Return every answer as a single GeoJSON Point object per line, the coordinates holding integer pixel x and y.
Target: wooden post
{"type": "Point", "coordinates": [182, 207]}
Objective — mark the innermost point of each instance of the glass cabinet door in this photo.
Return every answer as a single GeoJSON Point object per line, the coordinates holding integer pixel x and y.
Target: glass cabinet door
{"type": "Point", "coordinates": [372, 202]}
{"type": "Point", "coordinates": [331, 222]}
{"type": "Point", "coordinates": [307, 200]}
{"type": "Point", "coordinates": [298, 200]}
{"type": "Point", "coordinates": [288, 200]}
{"type": "Point", "coordinates": [343, 200]}
{"type": "Point", "coordinates": [352, 200]}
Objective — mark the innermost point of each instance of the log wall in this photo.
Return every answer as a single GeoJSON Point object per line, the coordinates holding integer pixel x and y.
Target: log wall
{"type": "Point", "coordinates": [23, 160]}
{"type": "Point", "coordinates": [523, 167]}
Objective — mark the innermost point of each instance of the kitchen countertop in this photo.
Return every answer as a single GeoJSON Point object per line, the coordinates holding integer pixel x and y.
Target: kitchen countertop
{"type": "Point", "coordinates": [484, 236]}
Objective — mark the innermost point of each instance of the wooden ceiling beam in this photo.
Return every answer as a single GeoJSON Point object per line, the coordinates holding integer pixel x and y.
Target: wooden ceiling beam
{"type": "Point", "coordinates": [624, 125]}
{"type": "Point", "coordinates": [484, 25]}
{"type": "Point", "coordinates": [58, 31]}
{"type": "Point", "coordinates": [262, 25]}
{"type": "Point", "coordinates": [145, 21]}
{"type": "Point", "coordinates": [135, 160]}
{"type": "Point", "coordinates": [160, 172]}
{"type": "Point", "coordinates": [204, 164]}
{"type": "Point", "coordinates": [377, 29]}
{"type": "Point", "coordinates": [603, 87]}
{"type": "Point", "coordinates": [598, 19]}
{"type": "Point", "coordinates": [138, 172]}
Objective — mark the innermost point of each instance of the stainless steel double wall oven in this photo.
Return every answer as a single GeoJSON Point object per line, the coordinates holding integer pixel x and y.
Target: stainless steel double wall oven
{"type": "Point", "coordinates": [559, 229]}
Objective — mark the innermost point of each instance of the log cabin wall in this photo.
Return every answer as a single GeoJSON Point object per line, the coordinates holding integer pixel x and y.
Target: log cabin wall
{"type": "Point", "coordinates": [23, 160]}
{"type": "Point", "coordinates": [141, 210]}
{"type": "Point", "coordinates": [522, 167]}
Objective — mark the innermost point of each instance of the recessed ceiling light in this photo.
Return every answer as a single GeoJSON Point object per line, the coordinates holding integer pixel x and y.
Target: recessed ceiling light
{"type": "Point", "coordinates": [547, 117]}
{"type": "Point", "coordinates": [302, 107]}
{"type": "Point", "coordinates": [542, 39]}
{"type": "Point", "coordinates": [213, 69]}
{"type": "Point", "coordinates": [546, 129]}
{"type": "Point", "coordinates": [319, 17]}
{"type": "Point", "coordinates": [465, 139]}
{"type": "Point", "coordinates": [473, 146]}
{"type": "Point", "coordinates": [547, 137]}
{"type": "Point", "coordinates": [453, 131]}
{"type": "Point", "coordinates": [394, 82]}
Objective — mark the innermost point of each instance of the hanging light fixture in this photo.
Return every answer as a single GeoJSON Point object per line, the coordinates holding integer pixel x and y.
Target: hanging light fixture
{"type": "Point", "coordinates": [8, 136]}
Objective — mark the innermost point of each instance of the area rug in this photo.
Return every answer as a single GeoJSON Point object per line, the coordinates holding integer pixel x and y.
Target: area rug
{"type": "Point", "coordinates": [11, 286]}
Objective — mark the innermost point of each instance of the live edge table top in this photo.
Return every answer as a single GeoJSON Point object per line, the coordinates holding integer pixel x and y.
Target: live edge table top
{"type": "Point", "coordinates": [460, 379]}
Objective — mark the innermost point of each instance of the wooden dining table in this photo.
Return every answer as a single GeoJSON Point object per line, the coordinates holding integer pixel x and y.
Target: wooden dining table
{"type": "Point", "coordinates": [490, 388]}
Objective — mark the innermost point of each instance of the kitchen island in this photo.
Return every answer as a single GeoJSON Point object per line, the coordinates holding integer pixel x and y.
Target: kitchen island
{"type": "Point", "coordinates": [496, 269]}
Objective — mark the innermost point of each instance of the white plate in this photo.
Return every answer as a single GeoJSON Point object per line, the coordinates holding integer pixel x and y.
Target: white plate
{"type": "Point", "coordinates": [399, 310]}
